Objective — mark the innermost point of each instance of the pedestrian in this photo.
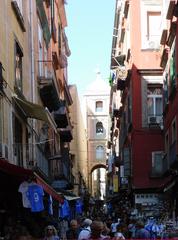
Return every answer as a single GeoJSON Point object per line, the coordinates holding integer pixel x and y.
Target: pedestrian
{"type": "Point", "coordinates": [73, 231]}
{"type": "Point", "coordinates": [114, 225]}
{"type": "Point", "coordinates": [86, 230]}
{"type": "Point", "coordinates": [119, 234]}
{"type": "Point", "coordinates": [97, 228]}
{"type": "Point", "coordinates": [131, 228]}
{"type": "Point", "coordinates": [141, 232]}
{"type": "Point", "coordinates": [51, 233]}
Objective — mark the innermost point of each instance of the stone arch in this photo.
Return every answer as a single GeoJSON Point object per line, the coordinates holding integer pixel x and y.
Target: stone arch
{"type": "Point", "coordinates": [99, 165]}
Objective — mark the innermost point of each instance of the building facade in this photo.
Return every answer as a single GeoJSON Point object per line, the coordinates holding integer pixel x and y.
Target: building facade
{"type": "Point", "coordinates": [35, 127]}
{"type": "Point", "coordinates": [78, 147]}
{"type": "Point", "coordinates": [138, 76]}
{"type": "Point", "coordinates": [96, 103]}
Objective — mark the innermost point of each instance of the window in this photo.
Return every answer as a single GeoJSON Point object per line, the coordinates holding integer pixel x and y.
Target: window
{"type": "Point", "coordinates": [40, 49]}
{"type": "Point", "coordinates": [151, 23]}
{"type": "Point", "coordinates": [172, 83]}
{"type": "Point", "coordinates": [153, 26]}
{"type": "Point", "coordinates": [154, 100]}
{"type": "Point", "coordinates": [100, 153]}
{"type": "Point", "coordinates": [99, 106]}
{"type": "Point", "coordinates": [157, 162]}
{"type": "Point", "coordinates": [99, 128]}
{"type": "Point", "coordinates": [18, 66]}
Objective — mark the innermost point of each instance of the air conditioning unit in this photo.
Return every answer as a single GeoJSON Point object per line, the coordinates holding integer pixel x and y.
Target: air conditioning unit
{"type": "Point", "coordinates": [155, 120]}
{"type": "Point", "coordinates": [3, 150]}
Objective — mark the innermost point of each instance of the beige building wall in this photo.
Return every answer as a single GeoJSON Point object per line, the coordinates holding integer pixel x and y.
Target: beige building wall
{"type": "Point", "coordinates": [78, 145]}
{"type": "Point", "coordinates": [11, 31]}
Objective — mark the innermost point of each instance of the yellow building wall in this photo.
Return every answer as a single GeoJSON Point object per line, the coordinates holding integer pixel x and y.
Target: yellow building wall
{"type": "Point", "coordinates": [79, 143]}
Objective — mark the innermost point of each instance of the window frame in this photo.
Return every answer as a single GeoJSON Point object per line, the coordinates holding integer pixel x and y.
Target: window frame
{"type": "Point", "coordinates": [99, 109]}
{"type": "Point", "coordinates": [18, 52]}
{"type": "Point", "coordinates": [99, 152]}
{"type": "Point", "coordinates": [154, 97]}
{"type": "Point", "coordinates": [153, 168]}
{"type": "Point", "coordinates": [99, 127]}
{"type": "Point", "coordinates": [145, 9]}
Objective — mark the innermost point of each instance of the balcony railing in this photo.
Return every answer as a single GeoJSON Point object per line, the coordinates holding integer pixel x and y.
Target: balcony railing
{"type": "Point", "coordinates": [61, 169]}
{"type": "Point", "coordinates": [28, 155]}
{"type": "Point", "coordinates": [49, 91]}
{"type": "Point", "coordinates": [61, 116]}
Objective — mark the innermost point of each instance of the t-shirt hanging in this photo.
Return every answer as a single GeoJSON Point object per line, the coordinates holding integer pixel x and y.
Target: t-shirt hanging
{"type": "Point", "coordinates": [35, 195]}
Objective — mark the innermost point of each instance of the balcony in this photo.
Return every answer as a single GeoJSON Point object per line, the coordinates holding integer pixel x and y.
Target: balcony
{"type": "Point", "coordinates": [118, 60]}
{"type": "Point", "coordinates": [61, 170]}
{"type": "Point", "coordinates": [44, 21]}
{"type": "Point", "coordinates": [61, 116]}
{"type": "Point", "coordinates": [48, 87]}
{"type": "Point", "coordinates": [173, 159]}
{"type": "Point", "coordinates": [164, 58]}
{"type": "Point", "coordinates": [31, 156]}
{"type": "Point", "coordinates": [172, 34]}
{"type": "Point", "coordinates": [66, 134]}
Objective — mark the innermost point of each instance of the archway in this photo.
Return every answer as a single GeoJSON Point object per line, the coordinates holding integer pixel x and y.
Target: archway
{"type": "Point", "coordinates": [98, 181]}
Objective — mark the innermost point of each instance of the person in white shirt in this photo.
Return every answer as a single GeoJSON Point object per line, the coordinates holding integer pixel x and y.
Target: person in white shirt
{"type": "Point", "coordinates": [86, 231]}
{"type": "Point", "coordinates": [114, 227]}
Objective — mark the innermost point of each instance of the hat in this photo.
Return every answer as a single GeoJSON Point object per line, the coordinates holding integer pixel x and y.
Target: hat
{"type": "Point", "coordinates": [87, 222]}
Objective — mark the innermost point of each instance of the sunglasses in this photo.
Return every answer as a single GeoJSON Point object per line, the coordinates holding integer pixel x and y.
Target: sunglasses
{"type": "Point", "coordinates": [49, 229]}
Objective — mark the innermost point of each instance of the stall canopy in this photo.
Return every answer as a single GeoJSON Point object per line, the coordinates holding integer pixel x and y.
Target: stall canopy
{"type": "Point", "coordinates": [47, 188]}
{"type": "Point", "coordinates": [15, 170]}
{"type": "Point", "coordinates": [22, 174]}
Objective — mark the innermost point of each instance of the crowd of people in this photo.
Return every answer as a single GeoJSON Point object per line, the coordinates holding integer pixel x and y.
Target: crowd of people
{"type": "Point", "coordinates": [100, 228]}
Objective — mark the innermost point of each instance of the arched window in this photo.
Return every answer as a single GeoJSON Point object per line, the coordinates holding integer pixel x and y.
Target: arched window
{"type": "Point", "coordinates": [99, 128]}
{"type": "Point", "coordinates": [99, 153]}
{"type": "Point", "coordinates": [99, 106]}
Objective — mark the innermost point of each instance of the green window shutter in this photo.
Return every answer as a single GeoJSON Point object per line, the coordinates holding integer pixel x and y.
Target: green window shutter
{"type": "Point", "coordinates": [172, 71]}
{"type": "Point", "coordinates": [44, 21]}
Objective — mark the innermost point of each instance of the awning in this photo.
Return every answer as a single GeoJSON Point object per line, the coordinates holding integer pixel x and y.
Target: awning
{"type": "Point", "coordinates": [12, 169]}
{"type": "Point", "coordinates": [118, 60]}
{"type": "Point", "coordinates": [47, 188]}
{"type": "Point", "coordinates": [32, 110]}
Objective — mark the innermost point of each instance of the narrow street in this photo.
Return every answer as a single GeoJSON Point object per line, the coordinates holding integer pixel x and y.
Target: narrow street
{"type": "Point", "coordinates": [88, 119]}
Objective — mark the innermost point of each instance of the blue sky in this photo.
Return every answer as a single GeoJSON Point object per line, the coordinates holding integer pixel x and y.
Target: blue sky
{"type": "Point", "coordinates": [89, 32]}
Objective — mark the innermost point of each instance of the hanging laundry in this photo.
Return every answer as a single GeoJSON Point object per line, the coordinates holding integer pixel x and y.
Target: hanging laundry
{"type": "Point", "coordinates": [50, 205]}
{"type": "Point", "coordinates": [64, 210]}
{"type": "Point", "coordinates": [23, 188]}
{"type": "Point", "coordinates": [35, 195]}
